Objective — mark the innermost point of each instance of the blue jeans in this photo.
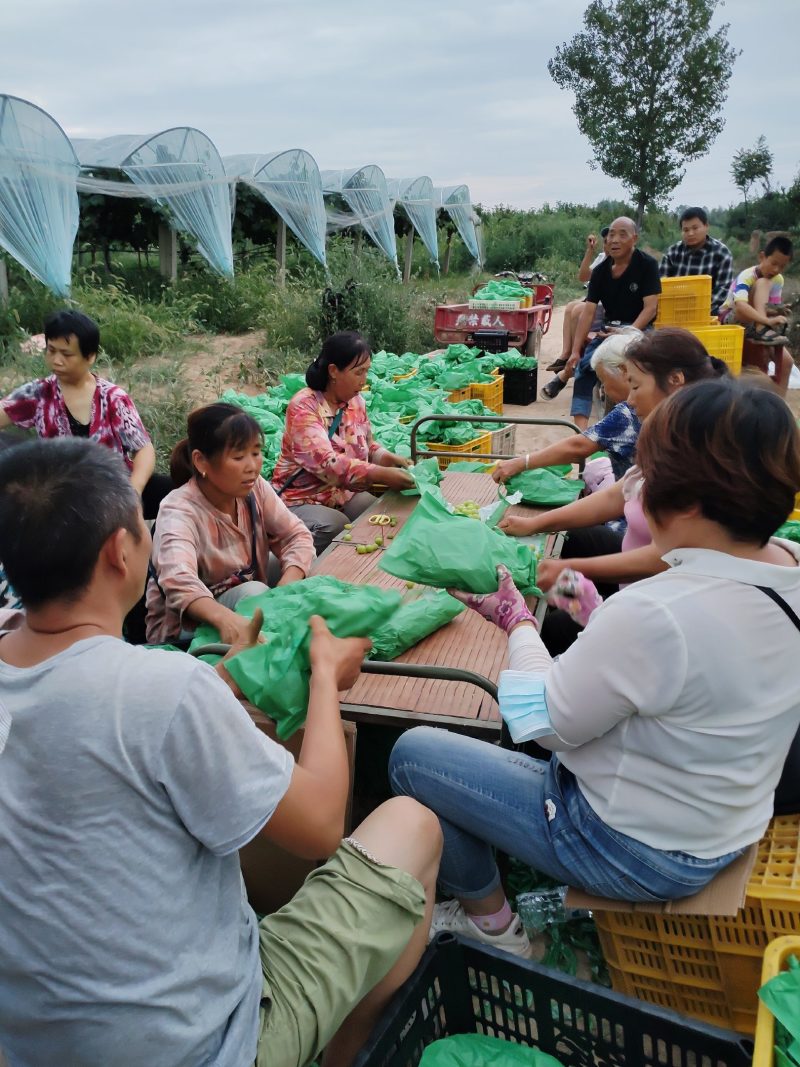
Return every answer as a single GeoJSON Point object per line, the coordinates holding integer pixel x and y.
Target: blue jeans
{"type": "Point", "coordinates": [585, 381]}
{"type": "Point", "coordinates": [487, 797]}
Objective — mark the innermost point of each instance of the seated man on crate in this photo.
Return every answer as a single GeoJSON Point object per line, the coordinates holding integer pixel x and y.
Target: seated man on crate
{"type": "Point", "coordinates": [129, 779]}
{"type": "Point", "coordinates": [627, 284]}
{"type": "Point", "coordinates": [755, 302]}
{"type": "Point", "coordinates": [697, 253]}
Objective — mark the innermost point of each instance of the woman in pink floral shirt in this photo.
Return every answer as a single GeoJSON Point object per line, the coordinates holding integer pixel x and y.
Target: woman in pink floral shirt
{"type": "Point", "coordinates": [75, 402]}
{"type": "Point", "coordinates": [223, 534]}
{"type": "Point", "coordinates": [329, 458]}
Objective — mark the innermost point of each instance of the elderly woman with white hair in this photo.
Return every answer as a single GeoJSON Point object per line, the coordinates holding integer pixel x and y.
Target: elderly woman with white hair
{"type": "Point", "coordinates": [615, 434]}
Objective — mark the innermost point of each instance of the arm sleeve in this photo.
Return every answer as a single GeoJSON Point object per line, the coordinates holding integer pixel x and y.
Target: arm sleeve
{"type": "Point", "coordinates": [314, 452]}
{"type": "Point", "coordinates": [651, 279]}
{"type": "Point", "coordinates": [615, 431]}
{"type": "Point", "coordinates": [665, 266]}
{"type": "Point", "coordinates": [741, 288]}
{"type": "Point", "coordinates": [288, 537]}
{"type": "Point", "coordinates": [594, 292]}
{"type": "Point", "coordinates": [723, 280]}
{"type": "Point", "coordinates": [175, 560]}
{"type": "Point", "coordinates": [223, 776]}
{"type": "Point", "coordinates": [630, 660]}
{"type": "Point", "coordinates": [22, 404]}
{"type": "Point", "coordinates": [126, 423]}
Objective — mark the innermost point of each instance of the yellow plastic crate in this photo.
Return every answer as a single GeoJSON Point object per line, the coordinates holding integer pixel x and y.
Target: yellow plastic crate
{"type": "Point", "coordinates": [491, 393]}
{"type": "Point", "coordinates": [478, 445]}
{"type": "Point", "coordinates": [684, 301]}
{"type": "Point", "coordinates": [404, 377]}
{"type": "Point", "coordinates": [710, 966]}
{"type": "Point", "coordinates": [724, 342]}
{"type": "Point", "coordinates": [460, 394]}
{"type": "Point", "coordinates": [775, 960]}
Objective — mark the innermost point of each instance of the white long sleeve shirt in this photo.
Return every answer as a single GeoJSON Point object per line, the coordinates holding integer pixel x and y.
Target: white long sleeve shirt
{"type": "Point", "coordinates": [676, 707]}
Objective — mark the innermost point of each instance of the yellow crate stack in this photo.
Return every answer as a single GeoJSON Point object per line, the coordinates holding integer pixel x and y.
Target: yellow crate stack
{"type": "Point", "coordinates": [477, 446]}
{"type": "Point", "coordinates": [723, 342]}
{"type": "Point", "coordinates": [710, 966]}
{"type": "Point", "coordinates": [776, 959]}
{"type": "Point", "coordinates": [684, 301]}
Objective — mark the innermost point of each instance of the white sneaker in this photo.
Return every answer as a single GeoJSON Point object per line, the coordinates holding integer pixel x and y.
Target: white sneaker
{"type": "Point", "coordinates": [450, 917]}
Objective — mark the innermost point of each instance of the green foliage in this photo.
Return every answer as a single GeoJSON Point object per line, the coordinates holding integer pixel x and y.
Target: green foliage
{"type": "Point", "coordinates": [752, 165]}
{"type": "Point", "coordinates": [650, 80]}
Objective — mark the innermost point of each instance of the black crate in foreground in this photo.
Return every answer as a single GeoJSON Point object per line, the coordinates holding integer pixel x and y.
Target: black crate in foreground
{"type": "Point", "coordinates": [463, 987]}
{"type": "Point", "coordinates": [519, 386]}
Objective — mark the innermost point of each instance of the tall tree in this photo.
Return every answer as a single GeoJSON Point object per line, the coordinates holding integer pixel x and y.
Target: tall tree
{"type": "Point", "coordinates": [752, 165]}
{"type": "Point", "coordinates": [650, 79]}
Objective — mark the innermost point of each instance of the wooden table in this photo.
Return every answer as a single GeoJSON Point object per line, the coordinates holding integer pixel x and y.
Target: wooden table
{"type": "Point", "coordinates": [467, 643]}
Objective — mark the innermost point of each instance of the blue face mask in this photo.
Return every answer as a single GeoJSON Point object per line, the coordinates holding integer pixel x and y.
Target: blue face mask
{"type": "Point", "coordinates": [523, 705]}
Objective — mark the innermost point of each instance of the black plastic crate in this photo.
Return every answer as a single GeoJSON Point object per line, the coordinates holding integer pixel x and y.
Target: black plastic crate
{"type": "Point", "coordinates": [520, 386]}
{"type": "Point", "coordinates": [461, 987]}
{"type": "Point", "coordinates": [491, 341]}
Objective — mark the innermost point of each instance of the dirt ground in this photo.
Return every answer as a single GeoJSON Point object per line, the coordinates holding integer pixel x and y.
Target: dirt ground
{"type": "Point", "coordinates": [225, 362]}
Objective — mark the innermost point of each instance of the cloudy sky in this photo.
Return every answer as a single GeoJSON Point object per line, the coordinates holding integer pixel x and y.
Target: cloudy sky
{"type": "Point", "coordinates": [458, 91]}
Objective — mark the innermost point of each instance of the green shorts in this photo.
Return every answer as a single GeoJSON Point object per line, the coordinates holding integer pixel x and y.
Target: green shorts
{"type": "Point", "coordinates": [327, 948]}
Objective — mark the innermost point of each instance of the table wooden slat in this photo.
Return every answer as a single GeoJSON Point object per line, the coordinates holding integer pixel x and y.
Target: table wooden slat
{"type": "Point", "coordinates": [468, 642]}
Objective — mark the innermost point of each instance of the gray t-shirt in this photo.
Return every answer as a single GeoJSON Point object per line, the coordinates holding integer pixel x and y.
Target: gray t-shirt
{"type": "Point", "coordinates": [128, 780]}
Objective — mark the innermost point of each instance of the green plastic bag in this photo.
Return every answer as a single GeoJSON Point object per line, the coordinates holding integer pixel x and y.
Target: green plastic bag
{"type": "Point", "coordinates": [781, 995]}
{"type": "Point", "coordinates": [425, 472]}
{"type": "Point", "coordinates": [413, 621]}
{"type": "Point", "coordinates": [478, 1050]}
{"type": "Point", "coordinates": [469, 466]}
{"type": "Point", "coordinates": [275, 676]}
{"type": "Point", "coordinates": [436, 547]}
{"type": "Point", "coordinates": [545, 486]}
{"type": "Point", "coordinates": [790, 531]}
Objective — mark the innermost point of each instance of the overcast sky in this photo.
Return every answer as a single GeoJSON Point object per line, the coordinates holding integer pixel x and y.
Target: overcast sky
{"type": "Point", "coordinates": [458, 91]}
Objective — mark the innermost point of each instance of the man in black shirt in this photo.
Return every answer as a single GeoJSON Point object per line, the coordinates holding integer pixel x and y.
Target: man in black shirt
{"type": "Point", "coordinates": [627, 284]}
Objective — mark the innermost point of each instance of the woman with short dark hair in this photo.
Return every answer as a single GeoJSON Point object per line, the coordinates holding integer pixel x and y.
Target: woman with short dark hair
{"type": "Point", "coordinates": [329, 458]}
{"type": "Point", "coordinates": [223, 534]}
{"type": "Point", "coordinates": [670, 719]}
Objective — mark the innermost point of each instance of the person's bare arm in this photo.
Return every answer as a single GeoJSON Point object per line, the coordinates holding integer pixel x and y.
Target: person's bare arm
{"type": "Point", "coordinates": [585, 270]}
{"type": "Point", "coordinates": [4, 420]}
{"type": "Point", "coordinates": [309, 821]}
{"type": "Point", "coordinates": [589, 511]}
{"type": "Point", "coordinates": [571, 450]}
{"type": "Point", "coordinates": [144, 463]}
{"type": "Point", "coordinates": [622, 567]}
{"type": "Point", "coordinates": [648, 312]}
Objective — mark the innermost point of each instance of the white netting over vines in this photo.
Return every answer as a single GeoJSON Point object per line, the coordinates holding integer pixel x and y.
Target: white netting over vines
{"type": "Point", "coordinates": [38, 195]}
{"type": "Point", "coordinates": [416, 197]}
{"type": "Point", "coordinates": [180, 168]}
{"type": "Point", "coordinates": [456, 201]}
{"type": "Point", "coordinates": [365, 193]}
{"type": "Point", "coordinates": [291, 183]}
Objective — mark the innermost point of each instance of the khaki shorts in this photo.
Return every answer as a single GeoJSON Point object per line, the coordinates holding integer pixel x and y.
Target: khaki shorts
{"type": "Point", "coordinates": [327, 948]}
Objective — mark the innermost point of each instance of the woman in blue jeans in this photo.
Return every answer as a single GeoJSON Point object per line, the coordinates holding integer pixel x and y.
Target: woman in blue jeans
{"type": "Point", "coordinates": [670, 717]}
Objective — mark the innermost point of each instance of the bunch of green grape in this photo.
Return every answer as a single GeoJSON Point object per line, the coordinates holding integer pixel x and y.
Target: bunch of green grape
{"type": "Point", "coordinates": [468, 508]}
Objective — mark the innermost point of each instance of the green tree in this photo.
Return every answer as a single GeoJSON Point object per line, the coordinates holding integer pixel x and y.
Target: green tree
{"type": "Point", "coordinates": [751, 165]}
{"type": "Point", "coordinates": [650, 79]}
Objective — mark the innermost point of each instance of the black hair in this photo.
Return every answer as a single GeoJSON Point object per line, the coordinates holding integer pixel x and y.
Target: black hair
{"type": "Point", "coordinates": [694, 213]}
{"type": "Point", "coordinates": [340, 350]}
{"type": "Point", "coordinates": [68, 323]}
{"type": "Point", "coordinates": [60, 501]}
{"type": "Point", "coordinates": [727, 447]}
{"type": "Point", "coordinates": [211, 430]}
{"type": "Point", "coordinates": [779, 244]}
{"type": "Point", "coordinates": [662, 352]}
{"type": "Point", "coordinates": [604, 232]}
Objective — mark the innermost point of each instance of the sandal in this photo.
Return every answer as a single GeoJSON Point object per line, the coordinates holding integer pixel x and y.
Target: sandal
{"type": "Point", "coordinates": [552, 389]}
{"type": "Point", "coordinates": [765, 335]}
{"type": "Point", "coordinates": [558, 364]}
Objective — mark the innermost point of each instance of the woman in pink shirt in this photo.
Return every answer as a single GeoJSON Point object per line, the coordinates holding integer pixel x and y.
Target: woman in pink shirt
{"type": "Point", "coordinates": [215, 534]}
{"type": "Point", "coordinates": [329, 458]}
{"type": "Point", "coordinates": [659, 364]}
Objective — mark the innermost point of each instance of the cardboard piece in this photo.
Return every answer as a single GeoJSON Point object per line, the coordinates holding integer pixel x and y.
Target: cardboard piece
{"type": "Point", "coordinates": [724, 895]}
{"type": "Point", "coordinates": [272, 875]}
